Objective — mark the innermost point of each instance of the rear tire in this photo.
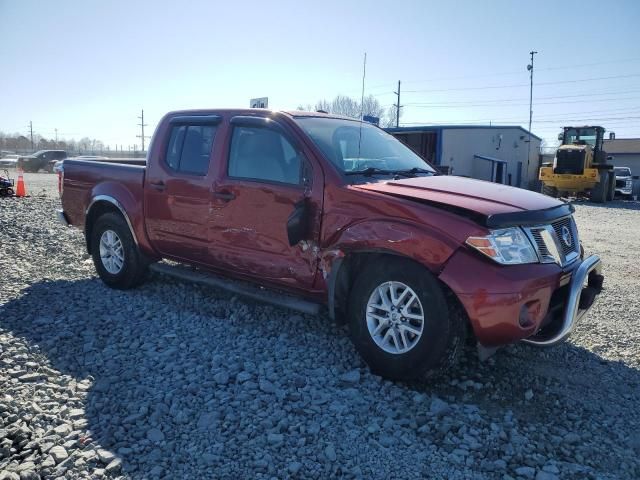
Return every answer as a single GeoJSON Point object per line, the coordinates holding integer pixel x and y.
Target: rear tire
{"type": "Point", "coordinates": [116, 257]}
{"type": "Point", "coordinates": [396, 346]}
{"type": "Point", "coordinates": [611, 193]}
{"type": "Point", "coordinates": [599, 193]}
{"type": "Point", "coordinates": [549, 191]}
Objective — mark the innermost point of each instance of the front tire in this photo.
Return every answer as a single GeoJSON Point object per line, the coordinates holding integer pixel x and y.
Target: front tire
{"type": "Point", "coordinates": [611, 193]}
{"type": "Point", "coordinates": [400, 322]}
{"type": "Point", "coordinates": [600, 192]}
{"type": "Point", "coordinates": [116, 257]}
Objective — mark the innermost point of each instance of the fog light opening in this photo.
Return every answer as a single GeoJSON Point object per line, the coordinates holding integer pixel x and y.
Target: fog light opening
{"type": "Point", "coordinates": [528, 313]}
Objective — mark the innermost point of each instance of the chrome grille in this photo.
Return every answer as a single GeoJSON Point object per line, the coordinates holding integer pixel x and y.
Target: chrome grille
{"type": "Point", "coordinates": [541, 247]}
{"type": "Point", "coordinates": [564, 229]}
{"type": "Point", "coordinates": [556, 243]}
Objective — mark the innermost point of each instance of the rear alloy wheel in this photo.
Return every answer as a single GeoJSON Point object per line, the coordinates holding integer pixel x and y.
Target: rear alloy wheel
{"type": "Point", "coordinates": [111, 252]}
{"type": "Point", "coordinates": [115, 253]}
{"type": "Point", "coordinates": [400, 321]}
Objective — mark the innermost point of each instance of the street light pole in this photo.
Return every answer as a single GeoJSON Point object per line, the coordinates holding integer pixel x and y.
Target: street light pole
{"type": "Point", "coordinates": [530, 68]}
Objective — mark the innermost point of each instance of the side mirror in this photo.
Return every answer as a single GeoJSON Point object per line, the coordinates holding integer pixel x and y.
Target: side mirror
{"type": "Point", "coordinates": [610, 157]}
{"type": "Point", "coordinates": [560, 136]}
{"type": "Point", "coordinates": [298, 222]}
{"type": "Point", "coordinates": [636, 177]}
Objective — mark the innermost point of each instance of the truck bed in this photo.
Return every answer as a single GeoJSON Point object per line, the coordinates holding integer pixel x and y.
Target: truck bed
{"type": "Point", "coordinates": [86, 179]}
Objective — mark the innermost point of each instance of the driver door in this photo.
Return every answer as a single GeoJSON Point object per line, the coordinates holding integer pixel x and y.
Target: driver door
{"type": "Point", "coordinates": [265, 179]}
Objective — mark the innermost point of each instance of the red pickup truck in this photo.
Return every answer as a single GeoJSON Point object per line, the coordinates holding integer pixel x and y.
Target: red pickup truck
{"type": "Point", "coordinates": [340, 213]}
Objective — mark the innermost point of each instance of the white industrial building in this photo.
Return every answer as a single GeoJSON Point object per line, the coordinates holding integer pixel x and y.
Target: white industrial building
{"type": "Point", "coordinates": [494, 153]}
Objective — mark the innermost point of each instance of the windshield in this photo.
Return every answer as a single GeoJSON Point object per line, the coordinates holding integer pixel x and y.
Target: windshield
{"type": "Point", "coordinates": [341, 142]}
{"type": "Point", "coordinates": [623, 171]}
{"type": "Point", "coordinates": [581, 136]}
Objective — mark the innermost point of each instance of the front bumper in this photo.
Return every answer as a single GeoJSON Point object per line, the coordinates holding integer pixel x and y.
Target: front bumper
{"type": "Point", "coordinates": [506, 304]}
{"type": "Point", "coordinates": [578, 302]}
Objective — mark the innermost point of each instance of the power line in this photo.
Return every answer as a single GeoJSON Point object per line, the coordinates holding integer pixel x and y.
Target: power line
{"type": "Point", "coordinates": [503, 100]}
{"type": "Point", "coordinates": [500, 74]}
{"type": "Point", "coordinates": [497, 105]}
{"type": "Point", "coordinates": [488, 87]}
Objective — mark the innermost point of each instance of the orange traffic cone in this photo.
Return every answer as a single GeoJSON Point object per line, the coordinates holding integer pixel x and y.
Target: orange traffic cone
{"type": "Point", "coordinates": [21, 191]}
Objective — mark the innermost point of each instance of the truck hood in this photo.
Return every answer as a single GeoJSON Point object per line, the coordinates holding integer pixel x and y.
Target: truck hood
{"type": "Point", "coordinates": [491, 204]}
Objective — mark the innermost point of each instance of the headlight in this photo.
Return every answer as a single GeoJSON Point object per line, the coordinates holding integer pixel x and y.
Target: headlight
{"type": "Point", "coordinates": [508, 246]}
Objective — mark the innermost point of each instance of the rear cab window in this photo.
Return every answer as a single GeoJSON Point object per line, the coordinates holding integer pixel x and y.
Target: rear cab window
{"type": "Point", "coordinates": [189, 148]}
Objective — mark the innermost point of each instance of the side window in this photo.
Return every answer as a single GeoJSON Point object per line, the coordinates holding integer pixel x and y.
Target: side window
{"type": "Point", "coordinates": [189, 148]}
{"type": "Point", "coordinates": [263, 154]}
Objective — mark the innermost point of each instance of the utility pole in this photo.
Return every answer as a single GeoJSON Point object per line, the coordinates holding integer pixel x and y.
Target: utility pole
{"type": "Point", "coordinates": [31, 131]}
{"type": "Point", "coordinates": [56, 136]}
{"type": "Point", "coordinates": [398, 106]}
{"type": "Point", "coordinates": [142, 125]}
{"type": "Point", "coordinates": [530, 68]}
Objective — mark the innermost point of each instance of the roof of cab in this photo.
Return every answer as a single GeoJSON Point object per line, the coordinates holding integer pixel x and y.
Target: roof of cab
{"type": "Point", "coordinates": [259, 112]}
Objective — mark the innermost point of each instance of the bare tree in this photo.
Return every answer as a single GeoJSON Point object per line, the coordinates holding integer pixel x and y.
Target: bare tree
{"type": "Point", "coordinates": [84, 144]}
{"type": "Point", "coordinates": [350, 107]}
{"type": "Point", "coordinates": [390, 118]}
{"type": "Point", "coordinates": [323, 105]}
{"type": "Point", "coordinates": [371, 106]}
{"type": "Point", "coordinates": [306, 108]}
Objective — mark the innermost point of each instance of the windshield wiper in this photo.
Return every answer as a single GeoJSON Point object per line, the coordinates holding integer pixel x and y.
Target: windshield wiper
{"type": "Point", "coordinates": [368, 172]}
{"type": "Point", "coordinates": [415, 170]}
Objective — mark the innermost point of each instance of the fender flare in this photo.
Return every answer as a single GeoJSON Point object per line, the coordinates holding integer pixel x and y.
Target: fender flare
{"type": "Point", "coordinates": [107, 198]}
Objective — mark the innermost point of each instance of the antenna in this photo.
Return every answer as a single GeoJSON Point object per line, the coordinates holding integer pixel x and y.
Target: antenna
{"type": "Point", "coordinates": [364, 74]}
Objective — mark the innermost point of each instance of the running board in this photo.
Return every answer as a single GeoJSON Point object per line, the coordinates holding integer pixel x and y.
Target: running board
{"type": "Point", "coordinates": [246, 289]}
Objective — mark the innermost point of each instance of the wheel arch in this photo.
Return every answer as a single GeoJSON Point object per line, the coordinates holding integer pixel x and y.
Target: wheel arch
{"type": "Point", "coordinates": [345, 271]}
{"type": "Point", "coordinates": [100, 205]}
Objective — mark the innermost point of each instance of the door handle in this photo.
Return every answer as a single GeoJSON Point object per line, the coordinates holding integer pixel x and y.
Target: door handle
{"type": "Point", "coordinates": [224, 195]}
{"type": "Point", "coordinates": [159, 185]}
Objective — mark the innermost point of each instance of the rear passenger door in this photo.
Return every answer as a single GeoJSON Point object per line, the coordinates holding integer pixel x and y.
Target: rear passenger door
{"type": "Point", "coordinates": [178, 188]}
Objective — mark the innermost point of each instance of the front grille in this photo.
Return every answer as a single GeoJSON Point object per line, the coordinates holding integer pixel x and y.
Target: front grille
{"type": "Point", "coordinates": [543, 251]}
{"type": "Point", "coordinates": [565, 233]}
{"type": "Point", "coordinates": [569, 162]}
{"type": "Point", "coordinates": [556, 243]}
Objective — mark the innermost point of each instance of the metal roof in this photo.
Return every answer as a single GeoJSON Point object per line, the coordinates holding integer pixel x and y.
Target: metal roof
{"type": "Point", "coordinates": [491, 159]}
{"type": "Point", "coordinates": [433, 128]}
{"type": "Point", "coordinates": [622, 146]}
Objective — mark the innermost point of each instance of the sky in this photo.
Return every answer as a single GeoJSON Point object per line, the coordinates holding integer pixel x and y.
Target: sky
{"type": "Point", "coordinates": [87, 68]}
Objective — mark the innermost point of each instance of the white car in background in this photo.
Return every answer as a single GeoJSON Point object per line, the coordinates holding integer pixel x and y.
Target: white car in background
{"type": "Point", "coordinates": [624, 182]}
{"type": "Point", "coordinates": [9, 160]}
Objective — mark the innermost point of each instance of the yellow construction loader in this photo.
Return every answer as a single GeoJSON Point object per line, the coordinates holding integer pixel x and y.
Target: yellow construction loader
{"type": "Point", "coordinates": [580, 166]}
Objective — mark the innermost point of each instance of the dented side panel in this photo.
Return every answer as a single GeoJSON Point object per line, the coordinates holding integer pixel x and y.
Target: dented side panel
{"type": "Point", "coordinates": [355, 220]}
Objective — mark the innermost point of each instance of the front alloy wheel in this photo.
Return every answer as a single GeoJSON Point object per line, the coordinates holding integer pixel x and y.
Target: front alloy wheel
{"type": "Point", "coordinates": [388, 322]}
{"type": "Point", "coordinates": [395, 317]}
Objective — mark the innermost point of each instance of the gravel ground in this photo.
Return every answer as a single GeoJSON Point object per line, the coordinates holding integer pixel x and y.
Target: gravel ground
{"type": "Point", "coordinates": [177, 381]}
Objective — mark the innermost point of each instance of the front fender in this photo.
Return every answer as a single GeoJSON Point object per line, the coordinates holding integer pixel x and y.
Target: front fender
{"type": "Point", "coordinates": [425, 244]}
